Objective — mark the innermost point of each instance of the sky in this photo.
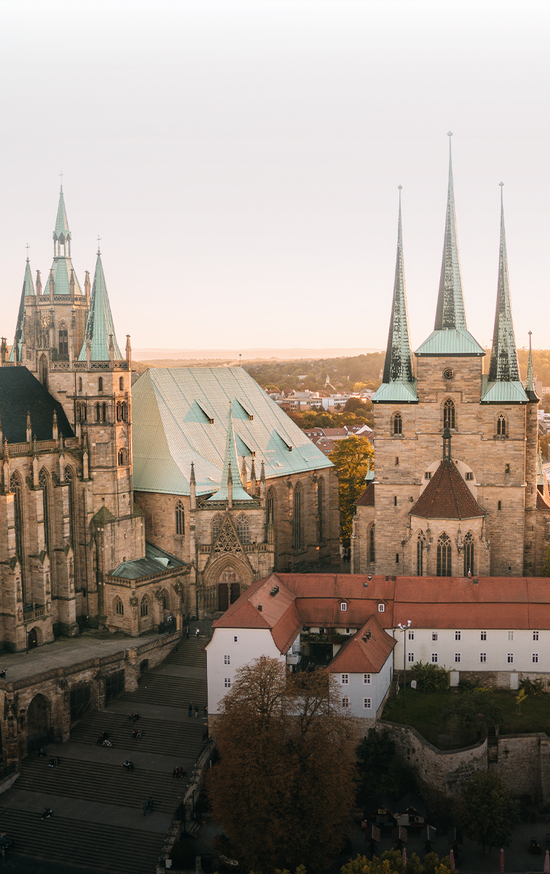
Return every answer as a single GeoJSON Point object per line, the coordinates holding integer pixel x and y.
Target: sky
{"type": "Point", "coordinates": [240, 162]}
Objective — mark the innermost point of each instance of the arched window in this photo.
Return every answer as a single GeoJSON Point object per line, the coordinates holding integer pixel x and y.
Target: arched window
{"type": "Point", "coordinates": [297, 517]}
{"type": "Point", "coordinates": [469, 554]}
{"type": "Point", "coordinates": [70, 479]}
{"type": "Point", "coordinates": [63, 346]}
{"type": "Point", "coordinates": [144, 606]}
{"type": "Point", "coordinates": [270, 506]}
{"type": "Point", "coordinates": [122, 411]}
{"type": "Point", "coordinates": [43, 482]}
{"type": "Point", "coordinates": [81, 412]}
{"type": "Point", "coordinates": [121, 457]}
{"type": "Point", "coordinates": [243, 529]}
{"type": "Point", "coordinates": [397, 424]}
{"type": "Point", "coordinates": [100, 384]}
{"type": "Point", "coordinates": [449, 420]}
{"type": "Point", "coordinates": [501, 426]}
{"type": "Point", "coordinates": [118, 606]}
{"type": "Point", "coordinates": [444, 556]}
{"type": "Point", "coordinates": [371, 547]}
{"type": "Point", "coordinates": [80, 383]}
{"type": "Point", "coordinates": [320, 501]}
{"type": "Point", "coordinates": [15, 487]}
{"type": "Point", "coordinates": [180, 518]}
{"type": "Point", "coordinates": [121, 383]}
{"type": "Point", "coordinates": [216, 525]}
{"type": "Point", "coordinates": [101, 412]}
{"type": "Point", "coordinates": [420, 547]}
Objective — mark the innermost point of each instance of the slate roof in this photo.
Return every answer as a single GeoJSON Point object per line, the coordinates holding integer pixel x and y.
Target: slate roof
{"type": "Point", "coordinates": [180, 416]}
{"type": "Point", "coordinates": [447, 496]}
{"type": "Point", "coordinates": [20, 393]}
{"type": "Point", "coordinates": [99, 325]}
{"type": "Point", "coordinates": [156, 561]}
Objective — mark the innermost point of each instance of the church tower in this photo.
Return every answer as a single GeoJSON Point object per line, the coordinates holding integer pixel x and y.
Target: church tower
{"type": "Point", "coordinates": [476, 509]}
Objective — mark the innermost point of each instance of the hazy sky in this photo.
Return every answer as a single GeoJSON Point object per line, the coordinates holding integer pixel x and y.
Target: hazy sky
{"type": "Point", "coordinates": [240, 161]}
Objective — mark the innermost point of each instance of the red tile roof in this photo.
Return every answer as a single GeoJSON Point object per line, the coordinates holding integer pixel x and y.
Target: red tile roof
{"type": "Point", "coordinates": [447, 496]}
{"type": "Point", "coordinates": [366, 499]}
{"type": "Point", "coordinates": [365, 652]}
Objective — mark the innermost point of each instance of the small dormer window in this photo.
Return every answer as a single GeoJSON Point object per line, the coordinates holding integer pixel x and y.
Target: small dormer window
{"type": "Point", "coordinates": [381, 608]}
{"type": "Point", "coordinates": [343, 606]}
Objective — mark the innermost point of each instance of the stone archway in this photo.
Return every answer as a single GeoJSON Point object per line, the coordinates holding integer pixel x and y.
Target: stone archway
{"type": "Point", "coordinates": [225, 581]}
{"type": "Point", "coordinates": [39, 728]}
{"type": "Point", "coordinates": [33, 638]}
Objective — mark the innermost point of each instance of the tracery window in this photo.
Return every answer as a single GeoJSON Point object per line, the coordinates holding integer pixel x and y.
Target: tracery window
{"type": "Point", "coordinates": [444, 556]}
{"type": "Point", "coordinates": [15, 487]}
{"type": "Point", "coordinates": [297, 517]}
{"type": "Point", "coordinates": [81, 414]}
{"type": "Point", "coordinates": [216, 525]}
{"type": "Point", "coordinates": [320, 498]}
{"type": "Point", "coordinates": [144, 606]}
{"type": "Point", "coordinates": [43, 482]}
{"type": "Point", "coordinates": [69, 478]}
{"type": "Point", "coordinates": [63, 345]}
{"type": "Point", "coordinates": [397, 424]}
{"type": "Point", "coordinates": [180, 518]}
{"type": "Point", "coordinates": [122, 411]}
{"type": "Point", "coordinates": [243, 529]}
{"type": "Point", "coordinates": [118, 606]}
{"type": "Point", "coordinates": [270, 506]}
{"type": "Point", "coordinates": [501, 426]}
{"type": "Point", "coordinates": [420, 547]}
{"type": "Point", "coordinates": [469, 554]}
{"type": "Point", "coordinates": [372, 550]}
{"type": "Point", "coordinates": [449, 420]}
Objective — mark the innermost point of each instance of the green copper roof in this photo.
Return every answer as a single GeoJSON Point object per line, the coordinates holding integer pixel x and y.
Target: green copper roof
{"type": "Point", "coordinates": [180, 416]}
{"type": "Point", "coordinates": [61, 231]}
{"type": "Point", "coordinates": [450, 342]}
{"type": "Point", "coordinates": [450, 318]}
{"type": "Point", "coordinates": [28, 289]}
{"type": "Point", "coordinates": [502, 392]}
{"type": "Point", "coordinates": [230, 470]}
{"type": "Point", "coordinates": [99, 326]}
{"type": "Point", "coordinates": [62, 268]}
{"type": "Point", "coordinates": [530, 385]}
{"type": "Point", "coordinates": [397, 379]}
{"type": "Point", "coordinates": [504, 365]}
{"type": "Point", "coordinates": [155, 562]}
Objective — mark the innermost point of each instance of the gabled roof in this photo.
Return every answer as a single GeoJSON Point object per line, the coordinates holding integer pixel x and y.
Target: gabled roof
{"type": "Point", "coordinates": [366, 499]}
{"type": "Point", "coordinates": [367, 651]}
{"type": "Point", "coordinates": [447, 496]}
{"type": "Point", "coordinates": [180, 416]}
{"type": "Point", "coordinates": [20, 393]}
{"type": "Point", "coordinates": [99, 325]}
{"type": "Point", "coordinates": [156, 561]}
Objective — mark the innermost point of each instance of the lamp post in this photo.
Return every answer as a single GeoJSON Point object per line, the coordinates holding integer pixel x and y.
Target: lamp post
{"type": "Point", "coordinates": [404, 629]}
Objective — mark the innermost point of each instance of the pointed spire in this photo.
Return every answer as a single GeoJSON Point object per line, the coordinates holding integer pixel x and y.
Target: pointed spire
{"type": "Point", "coordinates": [244, 472]}
{"type": "Point", "coordinates": [28, 290]}
{"type": "Point", "coordinates": [504, 357]}
{"type": "Point", "coordinates": [61, 233]}
{"type": "Point", "coordinates": [398, 382]}
{"type": "Point", "coordinates": [230, 464]}
{"type": "Point", "coordinates": [450, 302]}
{"type": "Point", "coordinates": [99, 326]}
{"type": "Point", "coordinates": [530, 384]}
{"type": "Point", "coordinates": [193, 488]}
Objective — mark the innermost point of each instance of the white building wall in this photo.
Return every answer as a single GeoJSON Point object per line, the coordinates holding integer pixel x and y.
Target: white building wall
{"type": "Point", "coordinates": [476, 650]}
{"type": "Point", "coordinates": [231, 649]}
{"type": "Point", "coordinates": [361, 689]}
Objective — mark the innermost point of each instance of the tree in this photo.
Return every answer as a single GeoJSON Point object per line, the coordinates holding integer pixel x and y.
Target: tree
{"type": "Point", "coordinates": [380, 768]}
{"type": "Point", "coordinates": [487, 812]}
{"type": "Point", "coordinates": [392, 863]}
{"type": "Point", "coordinates": [476, 712]}
{"type": "Point", "coordinates": [351, 458]}
{"type": "Point", "coordinates": [283, 787]}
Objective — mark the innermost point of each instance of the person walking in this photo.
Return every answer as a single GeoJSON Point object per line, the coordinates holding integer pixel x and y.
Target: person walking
{"type": "Point", "coordinates": [196, 711]}
{"type": "Point", "coordinates": [197, 632]}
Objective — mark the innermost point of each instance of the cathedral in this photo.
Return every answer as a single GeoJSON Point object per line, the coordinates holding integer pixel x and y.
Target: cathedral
{"type": "Point", "coordinates": [138, 517]}
{"type": "Point", "coordinates": [457, 489]}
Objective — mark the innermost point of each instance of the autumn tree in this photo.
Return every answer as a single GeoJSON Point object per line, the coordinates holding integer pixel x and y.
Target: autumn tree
{"type": "Point", "coordinates": [351, 458]}
{"type": "Point", "coordinates": [283, 786]}
{"type": "Point", "coordinates": [392, 863]}
{"type": "Point", "coordinates": [487, 812]}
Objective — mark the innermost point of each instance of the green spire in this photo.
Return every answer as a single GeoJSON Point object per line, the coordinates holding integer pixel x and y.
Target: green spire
{"type": "Point", "coordinates": [398, 382]}
{"type": "Point", "coordinates": [530, 384]}
{"type": "Point", "coordinates": [28, 289]}
{"type": "Point", "coordinates": [100, 330]}
{"type": "Point", "coordinates": [61, 233]}
{"type": "Point", "coordinates": [504, 357]}
{"type": "Point", "coordinates": [230, 473]}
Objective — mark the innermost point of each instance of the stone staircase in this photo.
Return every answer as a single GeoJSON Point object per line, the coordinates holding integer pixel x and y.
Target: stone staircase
{"type": "Point", "coordinates": [98, 822]}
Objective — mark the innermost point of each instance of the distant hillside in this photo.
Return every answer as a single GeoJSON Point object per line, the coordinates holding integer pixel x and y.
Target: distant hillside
{"type": "Point", "coordinates": [219, 355]}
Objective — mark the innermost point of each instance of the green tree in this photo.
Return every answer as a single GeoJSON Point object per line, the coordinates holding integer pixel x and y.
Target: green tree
{"type": "Point", "coordinates": [487, 812]}
{"type": "Point", "coordinates": [476, 712]}
{"type": "Point", "coordinates": [283, 787]}
{"type": "Point", "coordinates": [430, 677]}
{"type": "Point", "coordinates": [351, 458]}
{"type": "Point", "coordinates": [392, 863]}
{"type": "Point", "coordinates": [380, 768]}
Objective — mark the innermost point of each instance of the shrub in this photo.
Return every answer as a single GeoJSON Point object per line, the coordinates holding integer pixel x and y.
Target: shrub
{"type": "Point", "coordinates": [430, 677]}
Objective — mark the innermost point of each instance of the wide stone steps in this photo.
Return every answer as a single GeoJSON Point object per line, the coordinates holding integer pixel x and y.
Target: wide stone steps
{"type": "Point", "coordinates": [102, 783]}
{"type": "Point", "coordinates": [179, 739]}
{"type": "Point", "coordinates": [115, 849]}
{"type": "Point", "coordinates": [169, 690]}
{"type": "Point", "coordinates": [188, 652]}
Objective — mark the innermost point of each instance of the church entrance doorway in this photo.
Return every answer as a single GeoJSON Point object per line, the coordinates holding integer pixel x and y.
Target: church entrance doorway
{"type": "Point", "coordinates": [32, 638]}
{"type": "Point", "coordinates": [229, 588]}
{"type": "Point", "coordinates": [39, 729]}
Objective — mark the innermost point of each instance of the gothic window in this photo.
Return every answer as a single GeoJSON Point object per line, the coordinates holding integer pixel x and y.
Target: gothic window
{"type": "Point", "coordinates": [122, 411]}
{"type": "Point", "coordinates": [121, 457]}
{"type": "Point", "coordinates": [180, 518]}
{"type": "Point", "coordinates": [121, 383]}
{"type": "Point", "coordinates": [216, 525]}
{"type": "Point", "coordinates": [501, 426]}
{"type": "Point", "coordinates": [444, 556]}
{"type": "Point", "coordinates": [270, 507]}
{"type": "Point", "coordinates": [320, 498]}
{"type": "Point", "coordinates": [397, 424]}
{"type": "Point", "coordinates": [101, 412]}
{"type": "Point", "coordinates": [80, 383]}
{"type": "Point", "coordinates": [44, 485]}
{"type": "Point", "coordinates": [69, 478]}
{"type": "Point", "coordinates": [118, 606]}
{"type": "Point", "coordinates": [469, 554]}
{"type": "Point", "coordinates": [420, 547]}
{"type": "Point", "coordinates": [100, 384]}
{"type": "Point", "coordinates": [297, 517]}
{"type": "Point", "coordinates": [243, 530]}
{"type": "Point", "coordinates": [144, 606]}
{"type": "Point", "coordinates": [15, 487]}
{"type": "Point", "coordinates": [63, 346]}
{"type": "Point", "coordinates": [81, 412]}
{"type": "Point", "coordinates": [449, 420]}
{"type": "Point", "coordinates": [372, 551]}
